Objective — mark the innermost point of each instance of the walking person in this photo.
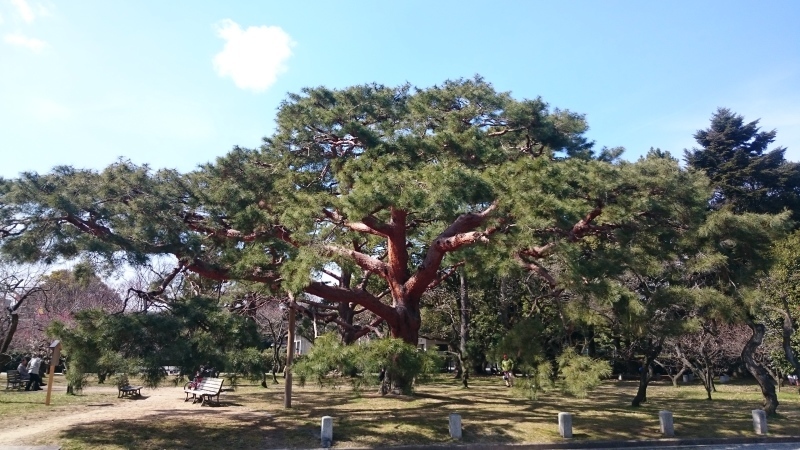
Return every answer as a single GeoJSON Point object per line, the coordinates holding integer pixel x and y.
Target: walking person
{"type": "Point", "coordinates": [34, 380]}
{"type": "Point", "coordinates": [508, 370]}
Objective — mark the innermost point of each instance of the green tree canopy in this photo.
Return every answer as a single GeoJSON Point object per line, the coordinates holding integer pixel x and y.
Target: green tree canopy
{"type": "Point", "coordinates": [746, 175]}
{"type": "Point", "coordinates": [381, 189]}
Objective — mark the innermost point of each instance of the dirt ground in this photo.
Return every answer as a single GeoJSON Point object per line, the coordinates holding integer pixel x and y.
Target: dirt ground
{"type": "Point", "coordinates": [26, 430]}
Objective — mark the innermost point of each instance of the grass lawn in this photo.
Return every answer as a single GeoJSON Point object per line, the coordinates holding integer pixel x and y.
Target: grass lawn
{"type": "Point", "coordinates": [18, 404]}
{"type": "Point", "coordinates": [253, 417]}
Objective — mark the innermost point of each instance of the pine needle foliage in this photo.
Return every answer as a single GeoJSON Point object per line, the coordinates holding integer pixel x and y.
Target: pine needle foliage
{"type": "Point", "coordinates": [331, 363]}
{"type": "Point", "coordinates": [195, 332]}
{"type": "Point", "coordinates": [538, 380]}
{"type": "Point", "coordinates": [579, 374]}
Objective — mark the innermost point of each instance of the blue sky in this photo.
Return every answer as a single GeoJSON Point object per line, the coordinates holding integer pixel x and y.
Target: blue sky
{"type": "Point", "coordinates": [178, 83]}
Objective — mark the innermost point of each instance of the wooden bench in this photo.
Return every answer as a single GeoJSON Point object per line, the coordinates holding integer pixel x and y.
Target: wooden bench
{"type": "Point", "coordinates": [125, 389]}
{"type": "Point", "coordinates": [205, 390]}
{"type": "Point", "coordinates": [14, 381]}
{"type": "Point", "coordinates": [129, 391]}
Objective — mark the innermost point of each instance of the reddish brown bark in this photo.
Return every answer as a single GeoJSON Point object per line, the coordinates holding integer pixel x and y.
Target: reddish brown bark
{"type": "Point", "coordinates": [406, 289]}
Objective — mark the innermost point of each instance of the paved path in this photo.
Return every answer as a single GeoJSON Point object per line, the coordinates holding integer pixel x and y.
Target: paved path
{"type": "Point", "coordinates": [768, 446]}
{"type": "Point", "coordinates": [696, 444]}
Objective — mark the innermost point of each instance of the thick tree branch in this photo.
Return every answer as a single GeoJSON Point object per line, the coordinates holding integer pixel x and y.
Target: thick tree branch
{"type": "Point", "coordinates": [540, 271]}
{"type": "Point", "coordinates": [366, 262]}
{"type": "Point", "coordinates": [369, 224]}
{"type": "Point", "coordinates": [194, 223]}
{"type": "Point", "coordinates": [213, 272]}
{"type": "Point", "coordinates": [450, 271]}
{"type": "Point", "coordinates": [359, 297]}
{"type": "Point", "coordinates": [457, 235]}
{"type": "Point", "coordinates": [153, 294]}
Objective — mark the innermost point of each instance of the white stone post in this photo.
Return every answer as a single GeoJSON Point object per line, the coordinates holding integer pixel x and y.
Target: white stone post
{"type": "Point", "coordinates": [327, 431]}
{"type": "Point", "coordinates": [565, 424]}
{"type": "Point", "coordinates": [455, 426]}
{"type": "Point", "coordinates": [667, 426]}
{"type": "Point", "coordinates": [760, 421]}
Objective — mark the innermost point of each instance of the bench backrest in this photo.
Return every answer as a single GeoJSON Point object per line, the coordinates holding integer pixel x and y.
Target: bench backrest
{"type": "Point", "coordinates": [211, 385]}
{"type": "Point", "coordinates": [13, 376]}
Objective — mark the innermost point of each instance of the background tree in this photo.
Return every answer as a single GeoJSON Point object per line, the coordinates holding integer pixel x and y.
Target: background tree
{"type": "Point", "coordinates": [778, 298]}
{"type": "Point", "coordinates": [748, 178]}
{"type": "Point", "coordinates": [18, 283]}
{"type": "Point", "coordinates": [62, 294]}
{"type": "Point", "coordinates": [746, 175]}
{"type": "Point", "coordinates": [196, 331]}
{"type": "Point", "coordinates": [710, 350]}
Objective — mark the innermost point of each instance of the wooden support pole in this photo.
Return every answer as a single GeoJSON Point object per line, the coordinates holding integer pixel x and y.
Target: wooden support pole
{"type": "Point", "coordinates": [54, 358]}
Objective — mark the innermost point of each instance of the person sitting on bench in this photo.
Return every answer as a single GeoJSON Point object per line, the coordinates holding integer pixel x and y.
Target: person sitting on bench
{"type": "Point", "coordinates": [22, 368]}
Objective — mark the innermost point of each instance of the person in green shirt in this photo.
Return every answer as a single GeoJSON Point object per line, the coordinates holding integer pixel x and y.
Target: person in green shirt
{"type": "Point", "coordinates": [508, 370]}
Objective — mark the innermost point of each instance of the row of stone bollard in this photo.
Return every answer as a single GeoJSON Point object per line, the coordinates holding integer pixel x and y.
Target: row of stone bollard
{"type": "Point", "coordinates": [666, 421]}
{"type": "Point", "coordinates": [564, 425]}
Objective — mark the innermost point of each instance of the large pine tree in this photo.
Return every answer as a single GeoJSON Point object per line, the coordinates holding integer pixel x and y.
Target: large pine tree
{"type": "Point", "coordinates": [746, 175]}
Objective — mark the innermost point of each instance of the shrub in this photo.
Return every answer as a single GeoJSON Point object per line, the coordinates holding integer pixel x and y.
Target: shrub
{"type": "Point", "coordinates": [329, 363]}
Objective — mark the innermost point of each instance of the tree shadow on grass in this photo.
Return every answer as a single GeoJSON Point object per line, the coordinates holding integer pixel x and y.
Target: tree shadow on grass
{"type": "Point", "coordinates": [490, 414]}
{"type": "Point", "coordinates": [190, 430]}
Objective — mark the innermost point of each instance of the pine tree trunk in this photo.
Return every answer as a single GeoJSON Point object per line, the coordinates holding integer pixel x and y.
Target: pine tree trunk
{"type": "Point", "coordinates": [592, 344]}
{"type": "Point", "coordinates": [407, 329]}
{"type": "Point", "coordinates": [464, 306]}
{"type": "Point", "coordinates": [346, 312]}
{"type": "Point", "coordinates": [758, 372]}
{"type": "Point", "coordinates": [644, 375]}
{"type": "Point", "coordinates": [346, 315]}
{"type": "Point", "coordinates": [641, 393]}
{"type": "Point", "coordinates": [408, 323]}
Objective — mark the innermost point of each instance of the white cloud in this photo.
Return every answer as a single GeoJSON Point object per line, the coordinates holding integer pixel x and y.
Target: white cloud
{"type": "Point", "coordinates": [252, 58]}
{"type": "Point", "coordinates": [33, 44]}
{"type": "Point", "coordinates": [24, 10]}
